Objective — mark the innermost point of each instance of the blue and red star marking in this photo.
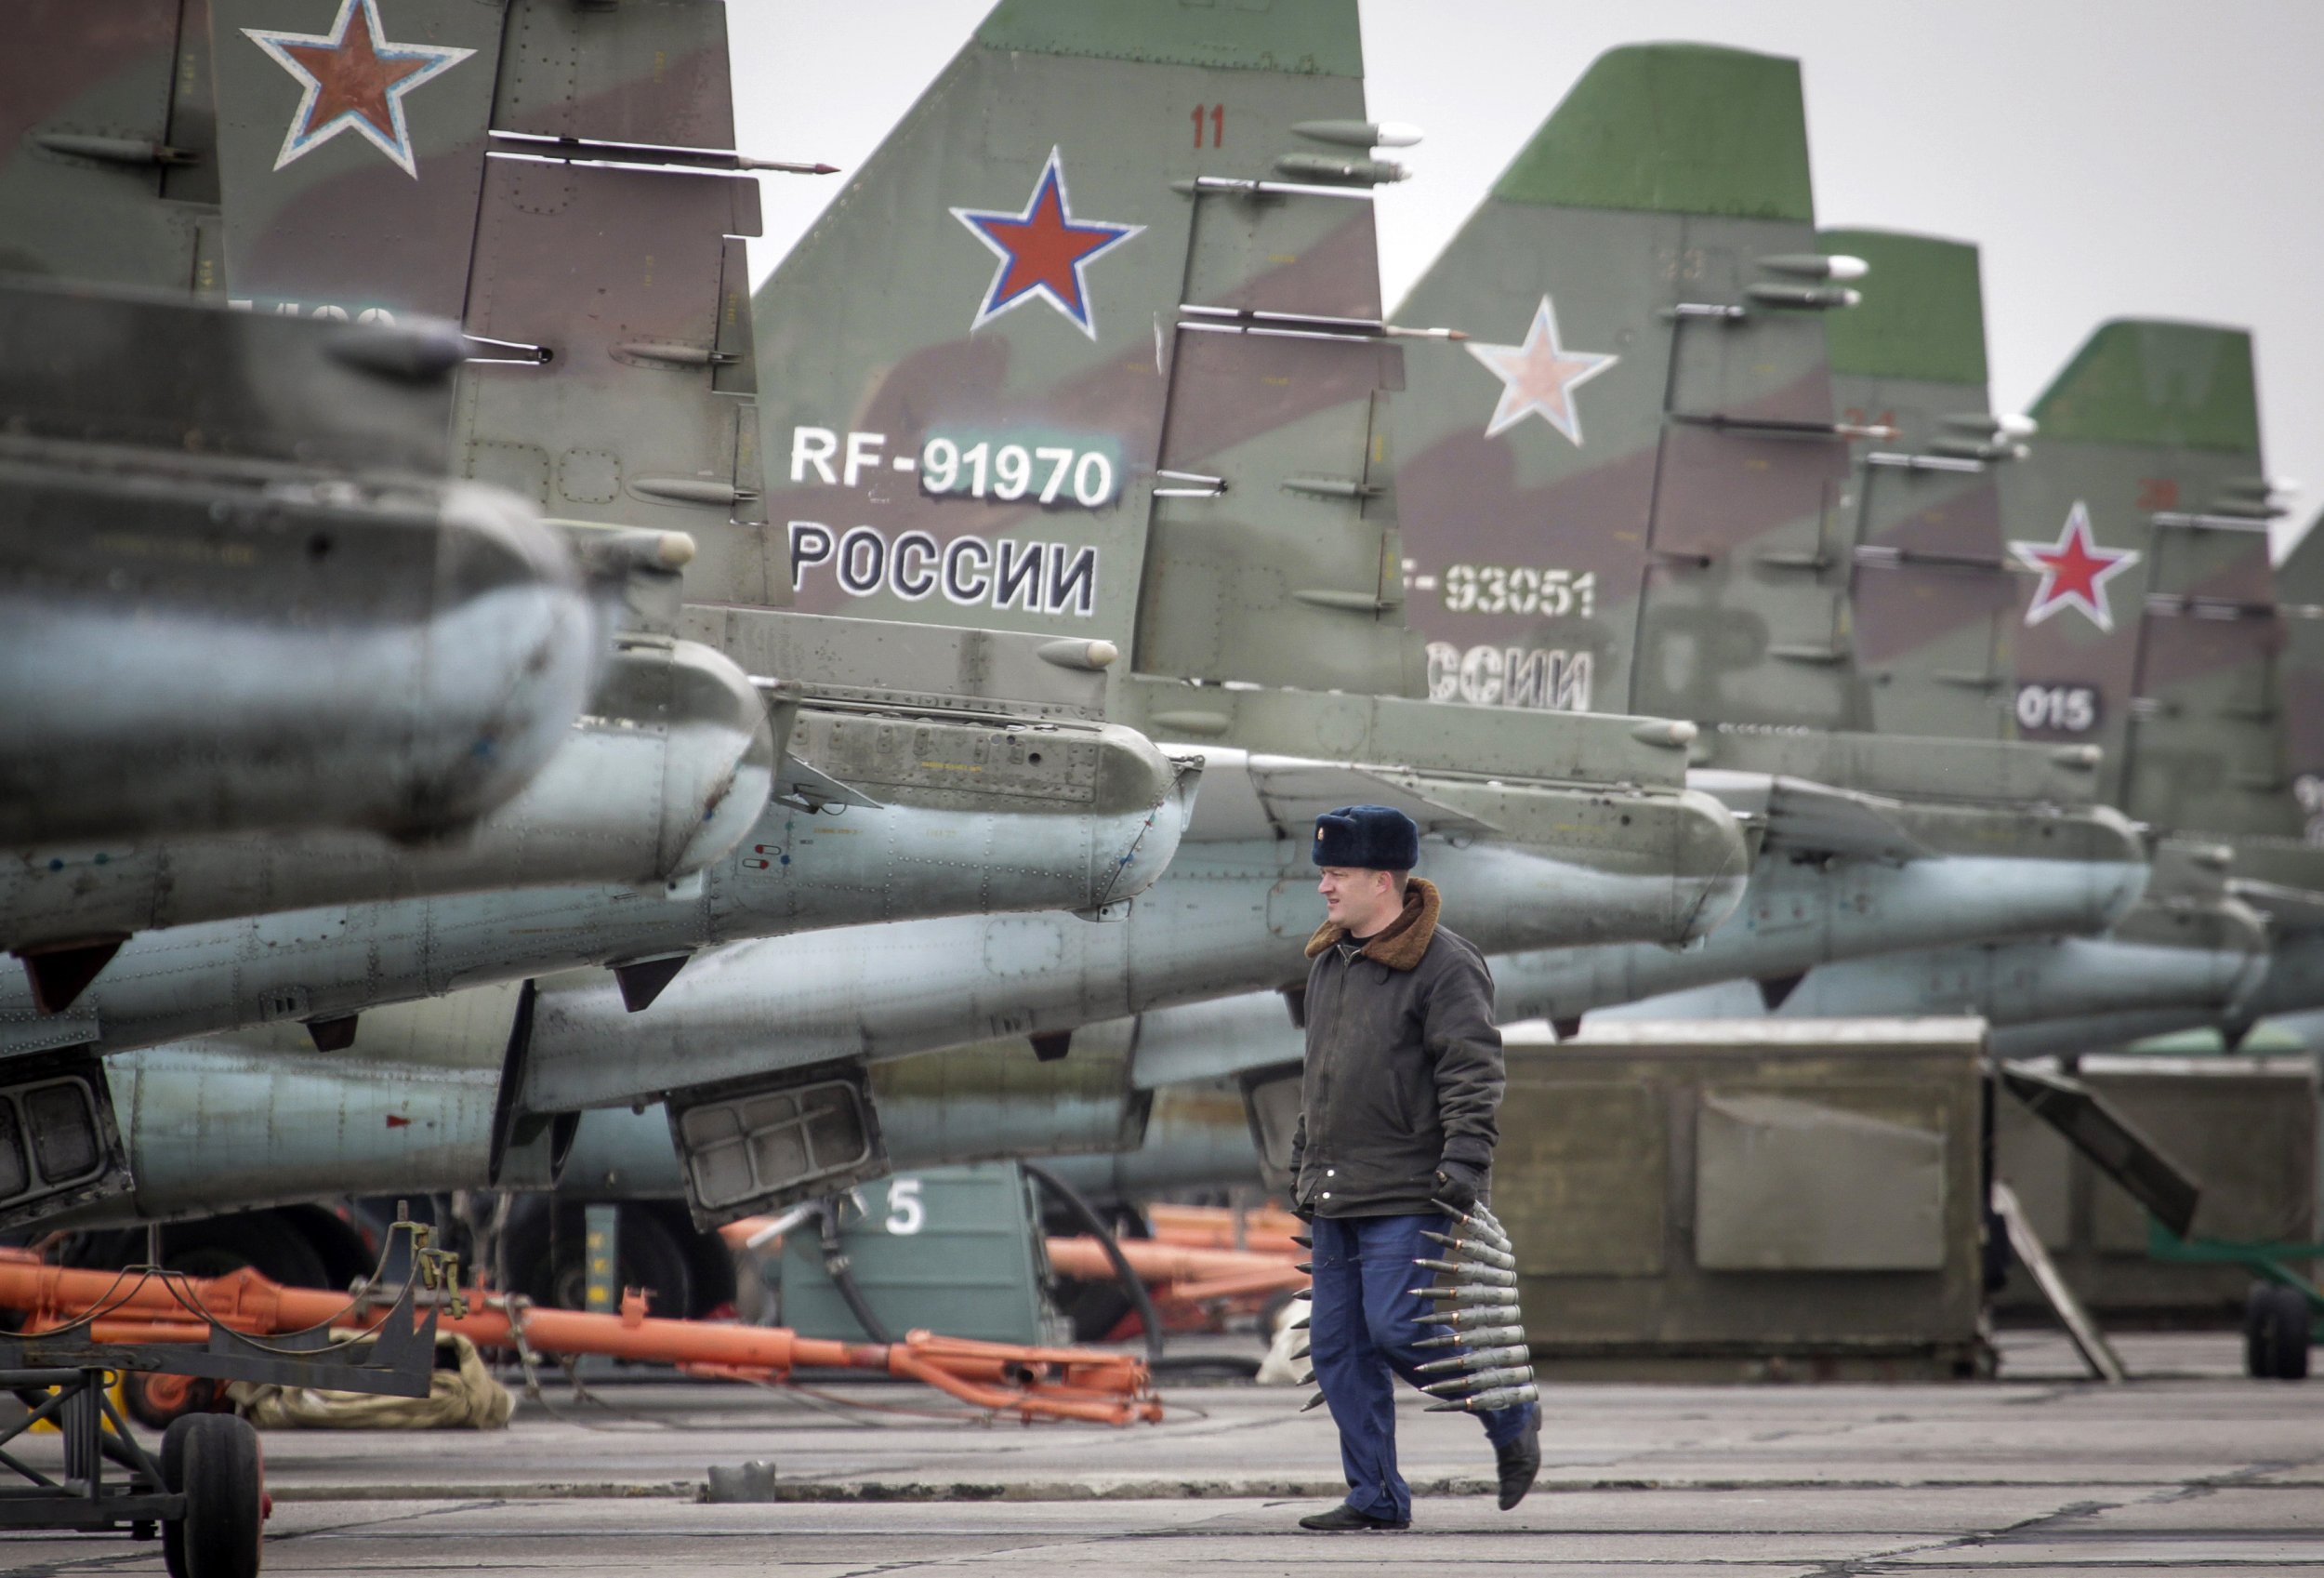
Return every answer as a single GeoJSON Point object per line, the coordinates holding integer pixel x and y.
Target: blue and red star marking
{"type": "Point", "coordinates": [1043, 251]}
{"type": "Point", "coordinates": [2074, 571]}
{"type": "Point", "coordinates": [353, 79]}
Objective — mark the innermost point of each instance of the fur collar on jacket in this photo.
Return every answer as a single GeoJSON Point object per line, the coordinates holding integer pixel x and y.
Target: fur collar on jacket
{"type": "Point", "coordinates": [1405, 943]}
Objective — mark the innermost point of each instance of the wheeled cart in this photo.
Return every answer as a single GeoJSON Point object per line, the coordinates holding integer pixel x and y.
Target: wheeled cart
{"type": "Point", "coordinates": [204, 1492]}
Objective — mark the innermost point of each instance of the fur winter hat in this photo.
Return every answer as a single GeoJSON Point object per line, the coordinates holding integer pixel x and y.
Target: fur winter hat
{"type": "Point", "coordinates": [1379, 837]}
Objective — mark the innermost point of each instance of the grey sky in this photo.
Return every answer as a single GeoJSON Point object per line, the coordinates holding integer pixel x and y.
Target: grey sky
{"type": "Point", "coordinates": [2149, 157]}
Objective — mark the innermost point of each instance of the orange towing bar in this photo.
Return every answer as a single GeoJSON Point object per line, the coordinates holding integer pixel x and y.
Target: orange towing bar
{"type": "Point", "coordinates": [1267, 1231]}
{"type": "Point", "coordinates": [1185, 1275]}
{"type": "Point", "coordinates": [1180, 1272]}
{"type": "Point", "coordinates": [1033, 1383]}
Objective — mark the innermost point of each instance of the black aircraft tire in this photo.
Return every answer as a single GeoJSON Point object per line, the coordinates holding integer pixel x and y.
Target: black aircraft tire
{"type": "Point", "coordinates": [647, 1254]}
{"type": "Point", "coordinates": [173, 1460]}
{"type": "Point", "coordinates": [2276, 1323]}
{"type": "Point", "coordinates": [2259, 1356]}
{"type": "Point", "coordinates": [2292, 1321]}
{"type": "Point", "coordinates": [223, 1525]}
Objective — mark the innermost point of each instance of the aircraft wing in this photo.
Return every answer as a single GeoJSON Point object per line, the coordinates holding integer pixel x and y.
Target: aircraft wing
{"type": "Point", "coordinates": [1812, 816]}
{"type": "Point", "coordinates": [1250, 796]}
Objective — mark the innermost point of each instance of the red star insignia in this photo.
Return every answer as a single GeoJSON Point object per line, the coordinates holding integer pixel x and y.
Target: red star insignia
{"type": "Point", "coordinates": [353, 79]}
{"type": "Point", "coordinates": [2074, 571]}
{"type": "Point", "coordinates": [1043, 250]}
{"type": "Point", "coordinates": [1540, 377]}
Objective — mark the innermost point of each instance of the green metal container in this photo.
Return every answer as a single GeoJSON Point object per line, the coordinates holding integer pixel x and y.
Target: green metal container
{"type": "Point", "coordinates": [956, 1250]}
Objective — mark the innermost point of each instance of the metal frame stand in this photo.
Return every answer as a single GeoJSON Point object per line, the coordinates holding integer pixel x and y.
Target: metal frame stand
{"type": "Point", "coordinates": [78, 1371]}
{"type": "Point", "coordinates": [80, 1407]}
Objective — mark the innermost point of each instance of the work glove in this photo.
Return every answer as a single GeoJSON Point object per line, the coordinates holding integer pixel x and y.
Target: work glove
{"type": "Point", "coordinates": [1459, 1183]}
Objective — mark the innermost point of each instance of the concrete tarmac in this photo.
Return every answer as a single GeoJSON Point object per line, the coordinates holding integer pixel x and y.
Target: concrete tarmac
{"type": "Point", "coordinates": [2188, 1468]}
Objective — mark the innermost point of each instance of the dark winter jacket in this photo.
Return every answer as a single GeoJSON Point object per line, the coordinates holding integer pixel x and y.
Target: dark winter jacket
{"type": "Point", "coordinates": [1404, 1065]}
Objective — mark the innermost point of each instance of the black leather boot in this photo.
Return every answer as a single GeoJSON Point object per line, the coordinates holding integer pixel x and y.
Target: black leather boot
{"type": "Point", "coordinates": [1345, 1519]}
{"type": "Point", "coordinates": [1518, 1463]}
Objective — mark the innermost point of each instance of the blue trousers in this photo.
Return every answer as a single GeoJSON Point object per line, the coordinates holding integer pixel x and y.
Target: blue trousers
{"type": "Point", "coordinates": [1364, 1320]}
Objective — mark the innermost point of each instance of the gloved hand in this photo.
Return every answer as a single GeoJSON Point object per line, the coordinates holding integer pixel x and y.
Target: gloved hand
{"type": "Point", "coordinates": [1459, 1183]}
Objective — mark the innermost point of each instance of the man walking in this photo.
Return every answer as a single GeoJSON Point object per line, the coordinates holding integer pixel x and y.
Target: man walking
{"type": "Point", "coordinates": [1397, 1112]}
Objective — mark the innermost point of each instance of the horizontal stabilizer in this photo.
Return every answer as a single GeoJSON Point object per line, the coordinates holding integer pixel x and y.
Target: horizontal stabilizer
{"type": "Point", "coordinates": [1248, 796]}
{"type": "Point", "coordinates": [1804, 816]}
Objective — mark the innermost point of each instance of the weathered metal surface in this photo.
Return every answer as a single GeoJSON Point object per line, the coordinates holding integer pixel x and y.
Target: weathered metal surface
{"type": "Point", "coordinates": [109, 145]}
{"type": "Point", "coordinates": [197, 501]}
{"type": "Point", "coordinates": [1729, 1195]}
{"type": "Point", "coordinates": [1229, 917]}
{"type": "Point", "coordinates": [668, 770]}
{"type": "Point", "coordinates": [793, 870]}
{"type": "Point", "coordinates": [255, 1118]}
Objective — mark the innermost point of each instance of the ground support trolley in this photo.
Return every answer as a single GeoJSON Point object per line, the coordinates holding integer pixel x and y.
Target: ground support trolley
{"type": "Point", "coordinates": [2284, 1314]}
{"type": "Point", "coordinates": [204, 1492]}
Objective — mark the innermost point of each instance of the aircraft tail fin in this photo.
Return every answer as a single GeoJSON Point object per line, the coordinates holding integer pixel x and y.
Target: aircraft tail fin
{"type": "Point", "coordinates": [2300, 677]}
{"type": "Point", "coordinates": [1643, 416]}
{"type": "Point", "coordinates": [551, 179]}
{"type": "Point", "coordinates": [111, 176]}
{"type": "Point", "coordinates": [1922, 312]}
{"type": "Point", "coordinates": [335, 209]}
{"type": "Point", "coordinates": [1673, 128]}
{"type": "Point", "coordinates": [2148, 588]}
{"type": "Point", "coordinates": [2157, 384]}
{"type": "Point", "coordinates": [1933, 597]}
{"type": "Point", "coordinates": [1093, 345]}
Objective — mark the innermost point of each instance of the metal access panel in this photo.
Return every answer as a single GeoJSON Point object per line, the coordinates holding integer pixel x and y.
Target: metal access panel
{"type": "Point", "coordinates": [1788, 1183]}
{"type": "Point", "coordinates": [1748, 1198]}
{"type": "Point", "coordinates": [751, 1145]}
{"type": "Point", "coordinates": [2245, 1128]}
{"type": "Point", "coordinates": [59, 1147]}
{"type": "Point", "coordinates": [956, 1250]}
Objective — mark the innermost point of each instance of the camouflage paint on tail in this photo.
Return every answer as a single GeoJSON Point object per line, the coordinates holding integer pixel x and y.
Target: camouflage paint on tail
{"type": "Point", "coordinates": [351, 138]}
{"type": "Point", "coordinates": [2147, 624]}
{"type": "Point", "coordinates": [1093, 345]}
{"type": "Point", "coordinates": [1626, 495]}
{"type": "Point", "coordinates": [106, 126]}
{"type": "Point", "coordinates": [456, 177]}
{"type": "Point", "coordinates": [1935, 599]}
{"type": "Point", "coordinates": [2300, 679]}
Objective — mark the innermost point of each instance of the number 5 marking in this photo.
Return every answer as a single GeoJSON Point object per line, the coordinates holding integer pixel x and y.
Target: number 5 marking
{"type": "Point", "coordinates": [906, 1214]}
